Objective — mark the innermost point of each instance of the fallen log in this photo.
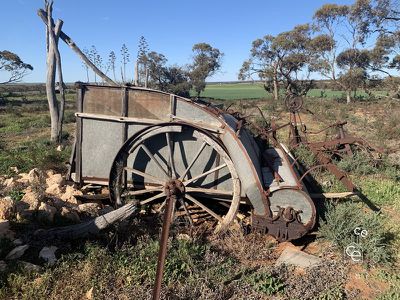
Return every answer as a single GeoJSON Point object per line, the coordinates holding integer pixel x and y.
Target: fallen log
{"type": "Point", "coordinates": [91, 227]}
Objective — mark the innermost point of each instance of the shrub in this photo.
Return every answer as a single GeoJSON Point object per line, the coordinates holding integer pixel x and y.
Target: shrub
{"type": "Point", "coordinates": [16, 194]}
{"type": "Point", "coordinates": [360, 163]}
{"type": "Point", "coordinates": [381, 191]}
{"type": "Point", "coordinates": [305, 156]}
{"type": "Point", "coordinates": [340, 222]}
{"type": "Point", "coordinates": [265, 282]}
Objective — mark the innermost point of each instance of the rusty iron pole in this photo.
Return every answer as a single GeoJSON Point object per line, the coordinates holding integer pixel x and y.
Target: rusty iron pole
{"type": "Point", "coordinates": [162, 253]}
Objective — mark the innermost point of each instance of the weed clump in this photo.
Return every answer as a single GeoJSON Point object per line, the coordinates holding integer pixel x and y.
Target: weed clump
{"type": "Point", "coordinates": [266, 282]}
{"type": "Point", "coordinates": [341, 221]}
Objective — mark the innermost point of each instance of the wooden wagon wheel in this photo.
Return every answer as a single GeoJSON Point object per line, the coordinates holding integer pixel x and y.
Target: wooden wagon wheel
{"type": "Point", "coordinates": [190, 156]}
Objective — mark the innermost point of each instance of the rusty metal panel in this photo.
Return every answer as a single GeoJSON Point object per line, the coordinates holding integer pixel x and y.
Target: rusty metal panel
{"type": "Point", "coordinates": [148, 104]}
{"type": "Point", "coordinates": [103, 101]}
{"type": "Point", "coordinates": [101, 141]}
{"type": "Point", "coordinates": [189, 111]}
{"type": "Point", "coordinates": [245, 165]}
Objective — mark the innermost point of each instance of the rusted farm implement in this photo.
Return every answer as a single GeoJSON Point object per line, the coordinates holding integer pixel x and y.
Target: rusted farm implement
{"type": "Point", "coordinates": [327, 151]}
{"type": "Point", "coordinates": [146, 145]}
{"type": "Point", "coordinates": [196, 163]}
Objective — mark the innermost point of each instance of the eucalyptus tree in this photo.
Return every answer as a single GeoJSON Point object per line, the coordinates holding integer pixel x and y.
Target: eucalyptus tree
{"type": "Point", "coordinates": [348, 62]}
{"type": "Point", "coordinates": [286, 60]}
{"type": "Point", "coordinates": [13, 65]}
{"type": "Point", "coordinates": [206, 62]}
{"type": "Point", "coordinates": [173, 79]}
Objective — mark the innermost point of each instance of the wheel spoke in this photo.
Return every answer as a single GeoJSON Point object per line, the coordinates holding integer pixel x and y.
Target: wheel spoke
{"type": "Point", "coordinates": [205, 208]}
{"type": "Point", "coordinates": [208, 191]}
{"type": "Point", "coordinates": [186, 211]}
{"type": "Point", "coordinates": [205, 174]}
{"type": "Point", "coordinates": [171, 154]}
{"type": "Point", "coordinates": [154, 159]}
{"type": "Point", "coordinates": [193, 161]}
{"type": "Point", "coordinates": [152, 198]}
{"type": "Point", "coordinates": [144, 191]}
{"type": "Point", "coordinates": [144, 175]}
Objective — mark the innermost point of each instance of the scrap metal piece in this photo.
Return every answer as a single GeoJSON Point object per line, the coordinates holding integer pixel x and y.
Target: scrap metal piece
{"type": "Point", "coordinates": [173, 189]}
{"type": "Point", "coordinates": [294, 103]}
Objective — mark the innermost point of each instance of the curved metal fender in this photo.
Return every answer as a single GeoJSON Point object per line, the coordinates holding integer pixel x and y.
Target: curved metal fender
{"type": "Point", "coordinates": [245, 155]}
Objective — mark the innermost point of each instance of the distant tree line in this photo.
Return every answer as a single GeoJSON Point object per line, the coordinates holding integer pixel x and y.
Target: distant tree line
{"type": "Point", "coordinates": [150, 68]}
{"type": "Point", "coordinates": [336, 45]}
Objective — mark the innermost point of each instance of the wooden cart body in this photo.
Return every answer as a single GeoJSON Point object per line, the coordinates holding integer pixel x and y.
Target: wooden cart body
{"type": "Point", "coordinates": [108, 116]}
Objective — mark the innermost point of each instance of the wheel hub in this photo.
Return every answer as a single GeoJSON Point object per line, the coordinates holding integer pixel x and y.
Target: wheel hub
{"type": "Point", "coordinates": [174, 187]}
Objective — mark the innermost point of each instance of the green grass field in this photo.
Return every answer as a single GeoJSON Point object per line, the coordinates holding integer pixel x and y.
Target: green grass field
{"type": "Point", "coordinates": [233, 91]}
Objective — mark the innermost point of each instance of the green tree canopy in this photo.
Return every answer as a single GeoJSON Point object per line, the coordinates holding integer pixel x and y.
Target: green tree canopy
{"type": "Point", "coordinates": [206, 61]}
{"type": "Point", "coordinates": [14, 66]}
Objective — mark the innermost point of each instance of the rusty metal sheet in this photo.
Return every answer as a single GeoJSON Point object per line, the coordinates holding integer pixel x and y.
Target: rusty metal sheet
{"type": "Point", "coordinates": [98, 100]}
{"type": "Point", "coordinates": [148, 104]}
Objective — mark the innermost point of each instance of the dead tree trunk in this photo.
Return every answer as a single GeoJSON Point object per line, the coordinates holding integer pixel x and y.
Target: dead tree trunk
{"type": "Point", "coordinates": [43, 15]}
{"type": "Point", "coordinates": [53, 33]}
{"type": "Point", "coordinates": [51, 39]}
{"type": "Point", "coordinates": [136, 78]}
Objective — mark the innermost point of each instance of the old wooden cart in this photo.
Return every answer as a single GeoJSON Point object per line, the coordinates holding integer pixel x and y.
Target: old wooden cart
{"type": "Point", "coordinates": [137, 140]}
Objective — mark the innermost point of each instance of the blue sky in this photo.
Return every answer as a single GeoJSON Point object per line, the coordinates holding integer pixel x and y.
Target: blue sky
{"type": "Point", "coordinates": [170, 27]}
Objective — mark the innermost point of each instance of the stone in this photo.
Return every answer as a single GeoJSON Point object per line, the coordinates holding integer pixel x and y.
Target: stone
{"type": "Point", "coordinates": [69, 195]}
{"type": "Point", "coordinates": [25, 215]}
{"type": "Point", "coordinates": [23, 178]}
{"type": "Point", "coordinates": [48, 254]}
{"type": "Point", "coordinates": [54, 189]}
{"type": "Point", "coordinates": [17, 242]}
{"type": "Point", "coordinates": [17, 252]}
{"type": "Point", "coordinates": [3, 266]}
{"type": "Point", "coordinates": [70, 215]}
{"type": "Point", "coordinates": [14, 169]}
{"type": "Point", "coordinates": [91, 209]}
{"type": "Point", "coordinates": [105, 210]}
{"type": "Point", "coordinates": [29, 267]}
{"type": "Point", "coordinates": [46, 213]}
{"type": "Point", "coordinates": [295, 257]}
{"type": "Point", "coordinates": [34, 175]}
{"type": "Point", "coordinates": [49, 173]}
{"type": "Point", "coordinates": [7, 208]}
{"type": "Point", "coordinates": [55, 179]}
{"type": "Point", "coordinates": [9, 182]}
{"type": "Point", "coordinates": [4, 228]}
{"type": "Point", "coordinates": [89, 294]}
{"type": "Point", "coordinates": [4, 225]}
{"type": "Point", "coordinates": [31, 198]}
